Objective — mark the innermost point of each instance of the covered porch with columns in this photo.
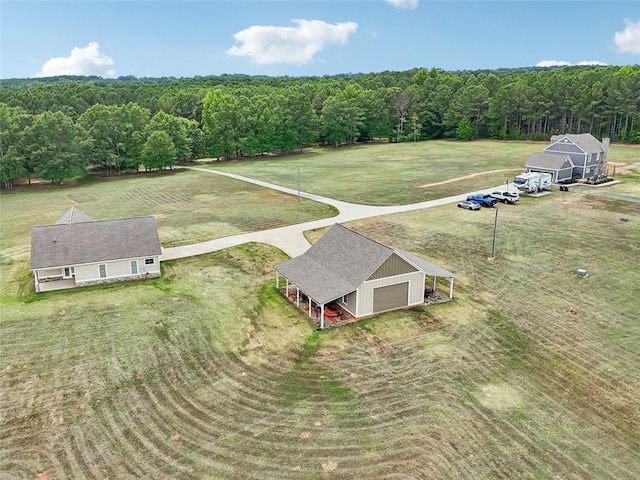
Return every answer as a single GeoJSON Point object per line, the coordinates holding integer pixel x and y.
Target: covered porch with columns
{"type": "Point", "coordinates": [323, 315]}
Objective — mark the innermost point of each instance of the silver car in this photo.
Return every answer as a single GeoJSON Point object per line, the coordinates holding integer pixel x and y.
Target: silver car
{"type": "Point", "coordinates": [469, 205]}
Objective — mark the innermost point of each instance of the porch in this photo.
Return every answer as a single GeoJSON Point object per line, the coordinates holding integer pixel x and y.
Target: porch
{"type": "Point", "coordinates": [331, 315]}
{"type": "Point", "coordinates": [57, 284]}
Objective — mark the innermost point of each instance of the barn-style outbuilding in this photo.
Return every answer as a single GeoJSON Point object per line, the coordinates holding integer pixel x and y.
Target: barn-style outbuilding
{"type": "Point", "coordinates": [361, 275]}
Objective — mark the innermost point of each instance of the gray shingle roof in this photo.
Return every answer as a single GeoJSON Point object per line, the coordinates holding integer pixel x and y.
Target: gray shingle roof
{"type": "Point", "coordinates": [73, 215]}
{"type": "Point", "coordinates": [427, 267]}
{"type": "Point", "coordinates": [585, 141]}
{"type": "Point", "coordinates": [64, 244]}
{"type": "Point", "coordinates": [340, 261]}
{"type": "Point", "coordinates": [552, 161]}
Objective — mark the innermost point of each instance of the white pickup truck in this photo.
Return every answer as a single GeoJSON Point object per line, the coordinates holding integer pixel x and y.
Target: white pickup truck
{"type": "Point", "coordinates": [505, 196]}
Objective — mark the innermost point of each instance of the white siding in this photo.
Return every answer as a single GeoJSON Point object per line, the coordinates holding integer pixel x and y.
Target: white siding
{"type": "Point", "coordinates": [115, 269]}
{"type": "Point", "coordinates": [155, 268]}
{"type": "Point", "coordinates": [85, 273]}
{"type": "Point", "coordinates": [365, 291]}
{"type": "Point", "coordinates": [49, 272]}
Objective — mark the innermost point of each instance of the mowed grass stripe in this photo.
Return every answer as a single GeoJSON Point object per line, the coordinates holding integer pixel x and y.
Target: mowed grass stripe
{"type": "Point", "coordinates": [189, 207]}
{"type": "Point", "coordinates": [499, 383]}
{"type": "Point", "coordinates": [515, 301]}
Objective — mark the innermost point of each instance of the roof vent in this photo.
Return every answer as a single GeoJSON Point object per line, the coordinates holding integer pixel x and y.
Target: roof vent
{"type": "Point", "coordinates": [54, 240]}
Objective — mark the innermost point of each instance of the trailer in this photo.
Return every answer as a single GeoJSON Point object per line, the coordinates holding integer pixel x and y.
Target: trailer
{"type": "Point", "coordinates": [533, 182]}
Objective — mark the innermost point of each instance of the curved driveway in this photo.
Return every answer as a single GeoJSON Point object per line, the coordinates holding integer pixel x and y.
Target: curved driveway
{"type": "Point", "coordinates": [290, 239]}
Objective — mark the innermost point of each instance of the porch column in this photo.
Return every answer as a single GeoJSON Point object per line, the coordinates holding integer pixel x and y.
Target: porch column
{"type": "Point", "coordinates": [322, 317]}
{"type": "Point", "coordinates": [310, 307]}
{"type": "Point", "coordinates": [450, 288]}
{"type": "Point", "coordinates": [277, 280]}
{"type": "Point", "coordinates": [287, 288]}
{"type": "Point", "coordinates": [297, 296]}
{"type": "Point", "coordinates": [434, 283]}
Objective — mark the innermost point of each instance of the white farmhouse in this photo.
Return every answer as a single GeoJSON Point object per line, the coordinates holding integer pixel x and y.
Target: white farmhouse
{"type": "Point", "coordinates": [78, 251]}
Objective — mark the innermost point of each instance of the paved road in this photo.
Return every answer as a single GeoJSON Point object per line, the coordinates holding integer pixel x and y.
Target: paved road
{"type": "Point", "coordinates": [290, 239]}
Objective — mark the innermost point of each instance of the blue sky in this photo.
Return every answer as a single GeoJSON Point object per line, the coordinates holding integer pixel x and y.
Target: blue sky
{"type": "Point", "coordinates": [305, 37]}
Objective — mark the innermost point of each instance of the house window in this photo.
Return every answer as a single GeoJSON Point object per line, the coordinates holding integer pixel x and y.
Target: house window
{"type": "Point", "coordinates": [149, 261]}
{"type": "Point", "coordinates": [103, 270]}
{"type": "Point", "coordinates": [134, 267]}
{"type": "Point", "coordinates": [344, 299]}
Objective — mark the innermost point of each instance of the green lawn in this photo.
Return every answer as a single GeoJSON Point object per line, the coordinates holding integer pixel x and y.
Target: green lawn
{"type": "Point", "coordinates": [188, 206]}
{"type": "Point", "coordinates": [207, 372]}
{"type": "Point", "coordinates": [390, 174]}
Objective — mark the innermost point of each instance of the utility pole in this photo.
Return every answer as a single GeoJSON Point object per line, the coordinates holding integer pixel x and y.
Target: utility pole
{"type": "Point", "coordinates": [495, 232]}
{"type": "Point", "coordinates": [299, 170]}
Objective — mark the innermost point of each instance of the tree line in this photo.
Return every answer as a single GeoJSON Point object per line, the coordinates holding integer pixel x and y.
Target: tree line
{"type": "Point", "coordinates": [54, 128]}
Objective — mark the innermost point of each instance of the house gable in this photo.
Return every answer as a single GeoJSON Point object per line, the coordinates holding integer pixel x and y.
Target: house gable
{"type": "Point", "coordinates": [564, 145]}
{"type": "Point", "coordinates": [73, 215]}
{"type": "Point", "coordinates": [394, 265]}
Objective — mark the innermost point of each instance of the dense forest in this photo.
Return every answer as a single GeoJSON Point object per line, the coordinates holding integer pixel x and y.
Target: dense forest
{"type": "Point", "coordinates": [54, 128]}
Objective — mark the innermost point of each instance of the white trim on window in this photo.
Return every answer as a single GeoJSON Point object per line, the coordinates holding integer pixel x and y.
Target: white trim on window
{"type": "Point", "coordinates": [149, 261]}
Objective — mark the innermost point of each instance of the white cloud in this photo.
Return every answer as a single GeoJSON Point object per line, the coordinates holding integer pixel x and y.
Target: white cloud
{"type": "Point", "coordinates": [562, 63]}
{"type": "Point", "coordinates": [591, 63]}
{"type": "Point", "coordinates": [269, 44]}
{"type": "Point", "coordinates": [403, 3]}
{"type": "Point", "coordinates": [552, 63]}
{"type": "Point", "coordinates": [82, 61]}
{"type": "Point", "coordinates": [628, 40]}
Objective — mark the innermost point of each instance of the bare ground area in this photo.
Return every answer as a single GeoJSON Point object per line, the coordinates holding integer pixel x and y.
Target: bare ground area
{"type": "Point", "coordinates": [467, 177]}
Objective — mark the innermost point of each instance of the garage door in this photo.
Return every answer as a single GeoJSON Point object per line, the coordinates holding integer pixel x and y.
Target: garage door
{"type": "Point", "coordinates": [393, 296]}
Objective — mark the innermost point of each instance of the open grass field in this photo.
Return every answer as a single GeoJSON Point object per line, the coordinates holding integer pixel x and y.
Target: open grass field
{"type": "Point", "coordinates": [391, 174]}
{"type": "Point", "coordinates": [207, 372]}
{"type": "Point", "coordinates": [189, 207]}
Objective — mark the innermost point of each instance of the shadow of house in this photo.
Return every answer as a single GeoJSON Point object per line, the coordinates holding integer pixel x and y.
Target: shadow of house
{"type": "Point", "coordinates": [360, 275]}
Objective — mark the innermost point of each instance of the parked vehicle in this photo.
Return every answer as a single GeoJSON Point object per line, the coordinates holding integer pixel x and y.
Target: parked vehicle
{"type": "Point", "coordinates": [469, 205]}
{"type": "Point", "coordinates": [505, 196]}
{"type": "Point", "coordinates": [483, 199]}
{"type": "Point", "coordinates": [533, 181]}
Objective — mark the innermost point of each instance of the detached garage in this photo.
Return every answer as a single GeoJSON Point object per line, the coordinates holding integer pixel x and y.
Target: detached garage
{"type": "Point", "coordinates": [560, 166]}
{"type": "Point", "coordinates": [358, 275]}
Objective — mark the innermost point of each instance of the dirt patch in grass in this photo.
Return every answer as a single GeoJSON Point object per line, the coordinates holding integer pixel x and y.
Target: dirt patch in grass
{"type": "Point", "coordinates": [499, 397]}
{"type": "Point", "coordinates": [467, 177]}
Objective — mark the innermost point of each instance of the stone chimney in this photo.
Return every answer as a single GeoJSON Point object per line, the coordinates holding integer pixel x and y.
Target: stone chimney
{"type": "Point", "coordinates": [603, 168]}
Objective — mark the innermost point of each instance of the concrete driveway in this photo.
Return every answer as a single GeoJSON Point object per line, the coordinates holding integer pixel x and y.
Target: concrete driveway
{"type": "Point", "coordinates": [290, 239]}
